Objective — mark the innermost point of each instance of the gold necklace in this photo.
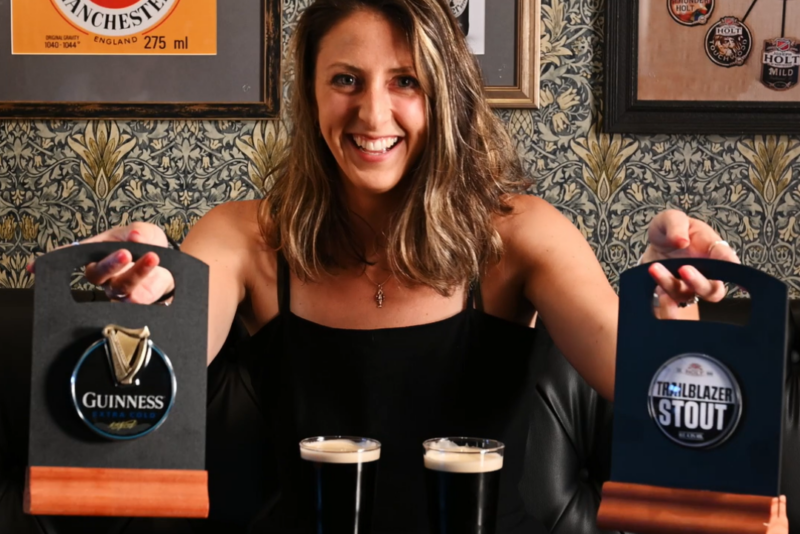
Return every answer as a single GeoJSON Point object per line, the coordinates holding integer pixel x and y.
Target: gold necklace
{"type": "Point", "coordinates": [380, 296]}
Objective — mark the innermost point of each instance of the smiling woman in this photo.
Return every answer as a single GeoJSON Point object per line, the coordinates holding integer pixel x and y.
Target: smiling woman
{"type": "Point", "coordinates": [391, 271]}
{"type": "Point", "coordinates": [371, 106]}
{"type": "Point", "coordinates": [388, 99]}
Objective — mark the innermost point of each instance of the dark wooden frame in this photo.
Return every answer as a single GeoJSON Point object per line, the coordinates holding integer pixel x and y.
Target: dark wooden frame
{"type": "Point", "coordinates": [625, 113]}
{"type": "Point", "coordinates": [267, 108]}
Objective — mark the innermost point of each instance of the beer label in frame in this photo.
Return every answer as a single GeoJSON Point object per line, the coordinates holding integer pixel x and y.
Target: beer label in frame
{"type": "Point", "coordinates": [458, 7]}
{"type": "Point", "coordinates": [728, 42]}
{"type": "Point", "coordinates": [780, 63]}
{"type": "Point", "coordinates": [690, 12]}
{"type": "Point", "coordinates": [695, 401]}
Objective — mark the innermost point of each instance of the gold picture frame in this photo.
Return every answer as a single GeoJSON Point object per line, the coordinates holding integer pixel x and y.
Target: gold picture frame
{"type": "Point", "coordinates": [524, 93]}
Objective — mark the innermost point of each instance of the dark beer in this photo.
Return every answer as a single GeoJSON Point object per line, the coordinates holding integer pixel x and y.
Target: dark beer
{"type": "Point", "coordinates": [463, 482]}
{"type": "Point", "coordinates": [460, 9]}
{"type": "Point", "coordinates": [339, 474]}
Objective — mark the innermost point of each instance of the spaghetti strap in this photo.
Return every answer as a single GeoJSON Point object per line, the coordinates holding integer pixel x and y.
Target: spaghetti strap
{"type": "Point", "coordinates": [283, 284]}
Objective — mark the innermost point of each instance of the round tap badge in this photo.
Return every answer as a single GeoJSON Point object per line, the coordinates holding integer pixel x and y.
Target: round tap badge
{"type": "Point", "coordinates": [695, 401]}
{"type": "Point", "coordinates": [458, 7]}
{"type": "Point", "coordinates": [690, 12]}
{"type": "Point", "coordinates": [115, 18]}
{"type": "Point", "coordinates": [123, 386]}
{"type": "Point", "coordinates": [728, 42]}
{"type": "Point", "coordinates": [780, 63]}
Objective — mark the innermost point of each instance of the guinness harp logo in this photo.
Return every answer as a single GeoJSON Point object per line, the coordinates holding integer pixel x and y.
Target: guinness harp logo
{"type": "Point", "coordinates": [125, 390]}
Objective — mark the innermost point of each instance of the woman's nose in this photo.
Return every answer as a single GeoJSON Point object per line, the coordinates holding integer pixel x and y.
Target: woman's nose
{"type": "Point", "coordinates": [375, 106]}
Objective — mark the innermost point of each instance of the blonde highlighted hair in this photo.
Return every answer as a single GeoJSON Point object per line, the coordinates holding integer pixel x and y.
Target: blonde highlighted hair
{"type": "Point", "coordinates": [443, 234]}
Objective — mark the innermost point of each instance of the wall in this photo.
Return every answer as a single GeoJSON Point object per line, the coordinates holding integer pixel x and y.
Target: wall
{"type": "Point", "coordinates": [61, 181]}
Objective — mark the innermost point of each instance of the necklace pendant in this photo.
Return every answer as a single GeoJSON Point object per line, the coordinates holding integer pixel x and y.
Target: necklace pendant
{"type": "Point", "coordinates": [379, 297]}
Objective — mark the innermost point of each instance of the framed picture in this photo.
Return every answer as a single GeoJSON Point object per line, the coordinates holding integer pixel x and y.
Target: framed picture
{"type": "Point", "coordinates": [125, 59]}
{"type": "Point", "coordinates": [505, 40]}
{"type": "Point", "coordinates": [702, 66]}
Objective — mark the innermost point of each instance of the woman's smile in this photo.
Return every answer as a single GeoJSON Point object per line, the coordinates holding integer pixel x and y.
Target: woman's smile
{"type": "Point", "coordinates": [375, 150]}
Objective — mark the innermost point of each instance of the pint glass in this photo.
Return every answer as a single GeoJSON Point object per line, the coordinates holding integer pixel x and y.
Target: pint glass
{"type": "Point", "coordinates": [463, 482]}
{"type": "Point", "coordinates": [339, 474]}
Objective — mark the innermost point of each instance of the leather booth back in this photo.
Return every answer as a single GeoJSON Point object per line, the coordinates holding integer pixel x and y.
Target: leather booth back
{"type": "Point", "coordinates": [568, 456]}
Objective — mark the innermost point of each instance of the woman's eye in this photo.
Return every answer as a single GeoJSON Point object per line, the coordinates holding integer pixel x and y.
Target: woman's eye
{"type": "Point", "coordinates": [407, 82]}
{"type": "Point", "coordinates": [344, 79]}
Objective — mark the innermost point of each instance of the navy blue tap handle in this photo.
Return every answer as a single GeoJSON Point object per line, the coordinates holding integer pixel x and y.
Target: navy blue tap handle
{"type": "Point", "coordinates": [637, 287]}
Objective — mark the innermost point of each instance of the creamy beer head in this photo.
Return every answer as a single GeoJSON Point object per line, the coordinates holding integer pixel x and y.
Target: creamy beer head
{"type": "Point", "coordinates": [463, 455]}
{"type": "Point", "coordinates": [340, 450]}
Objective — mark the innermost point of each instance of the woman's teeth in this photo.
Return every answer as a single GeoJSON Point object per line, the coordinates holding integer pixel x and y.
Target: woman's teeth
{"type": "Point", "coordinates": [378, 146]}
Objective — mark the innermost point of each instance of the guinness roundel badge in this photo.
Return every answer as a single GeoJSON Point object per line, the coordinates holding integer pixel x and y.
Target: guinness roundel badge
{"type": "Point", "coordinates": [690, 12]}
{"type": "Point", "coordinates": [728, 42]}
{"type": "Point", "coordinates": [780, 63]}
{"type": "Point", "coordinates": [115, 18]}
{"type": "Point", "coordinates": [123, 386]}
{"type": "Point", "coordinates": [695, 401]}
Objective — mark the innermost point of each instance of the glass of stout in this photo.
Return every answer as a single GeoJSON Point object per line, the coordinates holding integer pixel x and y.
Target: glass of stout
{"type": "Point", "coordinates": [339, 474]}
{"type": "Point", "coordinates": [463, 482]}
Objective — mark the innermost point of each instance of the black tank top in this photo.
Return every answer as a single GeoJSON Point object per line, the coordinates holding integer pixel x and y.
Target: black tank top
{"type": "Point", "coordinates": [462, 376]}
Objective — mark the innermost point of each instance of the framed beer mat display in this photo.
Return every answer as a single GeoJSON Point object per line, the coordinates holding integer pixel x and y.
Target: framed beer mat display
{"type": "Point", "coordinates": [140, 59]}
{"type": "Point", "coordinates": [702, 66]}
{"type": "Point", "coordinates": [505, 40]}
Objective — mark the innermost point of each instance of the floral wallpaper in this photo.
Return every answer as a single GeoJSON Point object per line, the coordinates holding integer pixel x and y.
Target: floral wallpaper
{"type": "Point", "coordinates": [65, 180]}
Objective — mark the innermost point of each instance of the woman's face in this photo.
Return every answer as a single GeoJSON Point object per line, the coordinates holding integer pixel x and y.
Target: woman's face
{"type": "Point", "coordinates": [371, 109]}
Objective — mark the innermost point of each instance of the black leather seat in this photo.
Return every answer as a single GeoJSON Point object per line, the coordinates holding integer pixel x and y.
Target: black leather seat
{"type": "Point", "coordinates": [568, 443]}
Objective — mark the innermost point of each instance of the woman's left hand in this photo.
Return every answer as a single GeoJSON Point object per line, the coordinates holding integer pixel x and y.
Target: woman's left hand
{"type": "Point", "coordinates": [778, 522]}
{"type": "Point", "coordinates": [673, 234]}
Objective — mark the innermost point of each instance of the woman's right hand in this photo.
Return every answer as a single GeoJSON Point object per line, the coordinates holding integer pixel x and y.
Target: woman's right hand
{"type": "Point", "coordinates": [778, 522]}
{"type": "Point", "coordinates": [140, 282]}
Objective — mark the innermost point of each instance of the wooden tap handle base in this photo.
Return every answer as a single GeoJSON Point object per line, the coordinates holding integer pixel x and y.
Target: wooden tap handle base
{"type": "Point", "coordinates": [116, 492]}
{"type": "Point", "coordinates": [655, 510]}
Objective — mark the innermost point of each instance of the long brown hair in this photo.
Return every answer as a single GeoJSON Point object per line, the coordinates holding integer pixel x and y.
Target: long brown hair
{"type": "Point", "coordinates": [443, 234]}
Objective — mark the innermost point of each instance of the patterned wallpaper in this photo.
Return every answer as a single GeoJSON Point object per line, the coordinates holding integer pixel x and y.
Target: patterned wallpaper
{"type": "Point", "coordinates": [65, 180]}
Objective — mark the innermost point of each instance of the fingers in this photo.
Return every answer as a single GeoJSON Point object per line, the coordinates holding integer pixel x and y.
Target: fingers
{"type": "Point", "coordinates": [677, 289]}
{"type": "Point", "coordinates": [667, 307]}
{"type": "Point", "coordinates": [720, 250]}
{"type": "Point", "coordinates": [690, 284]}
{"type": "Point", "coordinates": [669, 231]}
{"type": "Point", "coordinates": [778, 522]}
{"type": "Point", "coordinates": [100, 272]}
{"type": "Point", "coordinates": [710, 290]}
{"type": "Point", "coordinates": [706, 243]}
{"type": "Point", "coordinates": [137, 232]}
{"type": "Point", "coordinates": [128, 281]}
{"type": "Point", "coordinates": [122, 278]}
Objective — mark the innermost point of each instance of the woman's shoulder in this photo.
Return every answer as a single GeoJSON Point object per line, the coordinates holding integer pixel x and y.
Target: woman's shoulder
{"type": "Point", "coordinates": [535, 229]}
{"type": "Point", "coordinates": [528, 213]}
{"type": "Point", "coordinates": [232, 225]}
